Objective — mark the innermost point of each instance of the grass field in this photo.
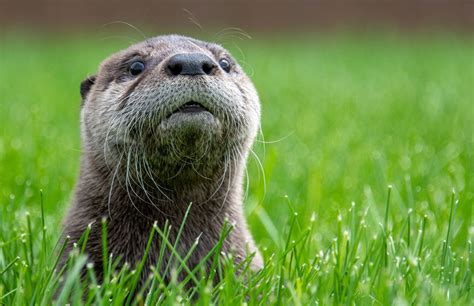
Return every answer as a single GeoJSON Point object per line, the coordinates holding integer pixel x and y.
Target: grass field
{"type": "Point", "coordinates": [344, 117]}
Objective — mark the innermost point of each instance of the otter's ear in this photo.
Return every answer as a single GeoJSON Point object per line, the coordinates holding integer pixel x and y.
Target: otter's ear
{"type": "Point", "coordinates": [86, 85]}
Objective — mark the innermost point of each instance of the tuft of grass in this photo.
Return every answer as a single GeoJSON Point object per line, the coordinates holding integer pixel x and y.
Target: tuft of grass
{"type": "Point", "coordinates": [364, 263]}
{"type": "Point", "coordinates": [344, 116]}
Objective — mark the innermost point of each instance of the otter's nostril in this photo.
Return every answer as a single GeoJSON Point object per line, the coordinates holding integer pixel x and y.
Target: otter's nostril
{"type": "Point", "coordinates": [207, 67]}
{"type": "Point", "coordinates": [175, 68]}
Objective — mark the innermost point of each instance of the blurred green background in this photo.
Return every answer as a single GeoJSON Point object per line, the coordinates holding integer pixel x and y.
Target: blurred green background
{"type": "Point", "coordinates": [356, 96]}
{"type": "Point", "coordinates": [344, 115]}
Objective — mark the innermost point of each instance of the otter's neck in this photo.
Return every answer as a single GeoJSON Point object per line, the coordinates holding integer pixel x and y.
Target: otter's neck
{"type": "Point", "coordinates": [102, 192]}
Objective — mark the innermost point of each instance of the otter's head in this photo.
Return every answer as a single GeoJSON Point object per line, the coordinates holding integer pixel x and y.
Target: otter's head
{"type": "Point", "coordinates": [170, 106]}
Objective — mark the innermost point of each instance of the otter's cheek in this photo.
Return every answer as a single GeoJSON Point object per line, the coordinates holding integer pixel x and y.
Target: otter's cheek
{"type": "Point", "coordinates": [253, 125]}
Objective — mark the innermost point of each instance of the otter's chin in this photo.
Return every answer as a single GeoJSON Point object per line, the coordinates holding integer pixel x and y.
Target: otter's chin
{"type": "Point", "coordinates": [191, 134]}
{"type": "Point", "coordinates": [201, 121]}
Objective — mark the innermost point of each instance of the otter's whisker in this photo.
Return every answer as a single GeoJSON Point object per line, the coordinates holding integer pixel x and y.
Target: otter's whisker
{"type": "Point", "coordinates": [229, 186]}
{"type": "Point", "coordinates": [262, 170]}
{"type": "Point", "coordinates": [112, 185]}
{"type": "Point", "coordinates": [129, 185]}
{"type": "Point", "coordinates": [129, 25]}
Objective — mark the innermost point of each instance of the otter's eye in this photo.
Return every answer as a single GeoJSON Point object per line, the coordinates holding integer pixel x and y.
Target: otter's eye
{"type": "Point", "coordinates": [224, 63]}
{"type": "Point", "coordinates": [136, 68]}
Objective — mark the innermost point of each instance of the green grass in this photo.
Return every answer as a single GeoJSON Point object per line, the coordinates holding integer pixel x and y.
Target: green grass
{"type": "Point", "coordinates": [344, 118]}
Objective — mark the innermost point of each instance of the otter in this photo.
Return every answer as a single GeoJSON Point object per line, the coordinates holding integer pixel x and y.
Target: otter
{"type": "Point", "coordinates": [166, 128]}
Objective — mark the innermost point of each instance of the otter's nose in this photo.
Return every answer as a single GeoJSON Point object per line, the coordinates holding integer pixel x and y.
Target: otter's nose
{"type": "Point", "coordinates": [191, 64]}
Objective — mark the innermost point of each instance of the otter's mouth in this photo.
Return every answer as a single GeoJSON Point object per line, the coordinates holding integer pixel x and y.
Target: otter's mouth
{"type": "Point", "coordinates": [190, 108]}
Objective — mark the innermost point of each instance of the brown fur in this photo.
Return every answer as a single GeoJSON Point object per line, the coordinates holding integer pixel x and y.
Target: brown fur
{"type": "Point", "coordinates": [139, 165]}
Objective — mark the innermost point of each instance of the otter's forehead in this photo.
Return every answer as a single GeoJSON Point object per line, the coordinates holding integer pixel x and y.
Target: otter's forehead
{"type": "Point", "coordinates": [175, 43]}
{"type": "Point", "coordinates": [160, 47]}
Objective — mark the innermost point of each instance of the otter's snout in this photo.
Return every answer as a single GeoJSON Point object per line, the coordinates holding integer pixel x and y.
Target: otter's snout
{"type": "Point", "coordinates": [191, 64]}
